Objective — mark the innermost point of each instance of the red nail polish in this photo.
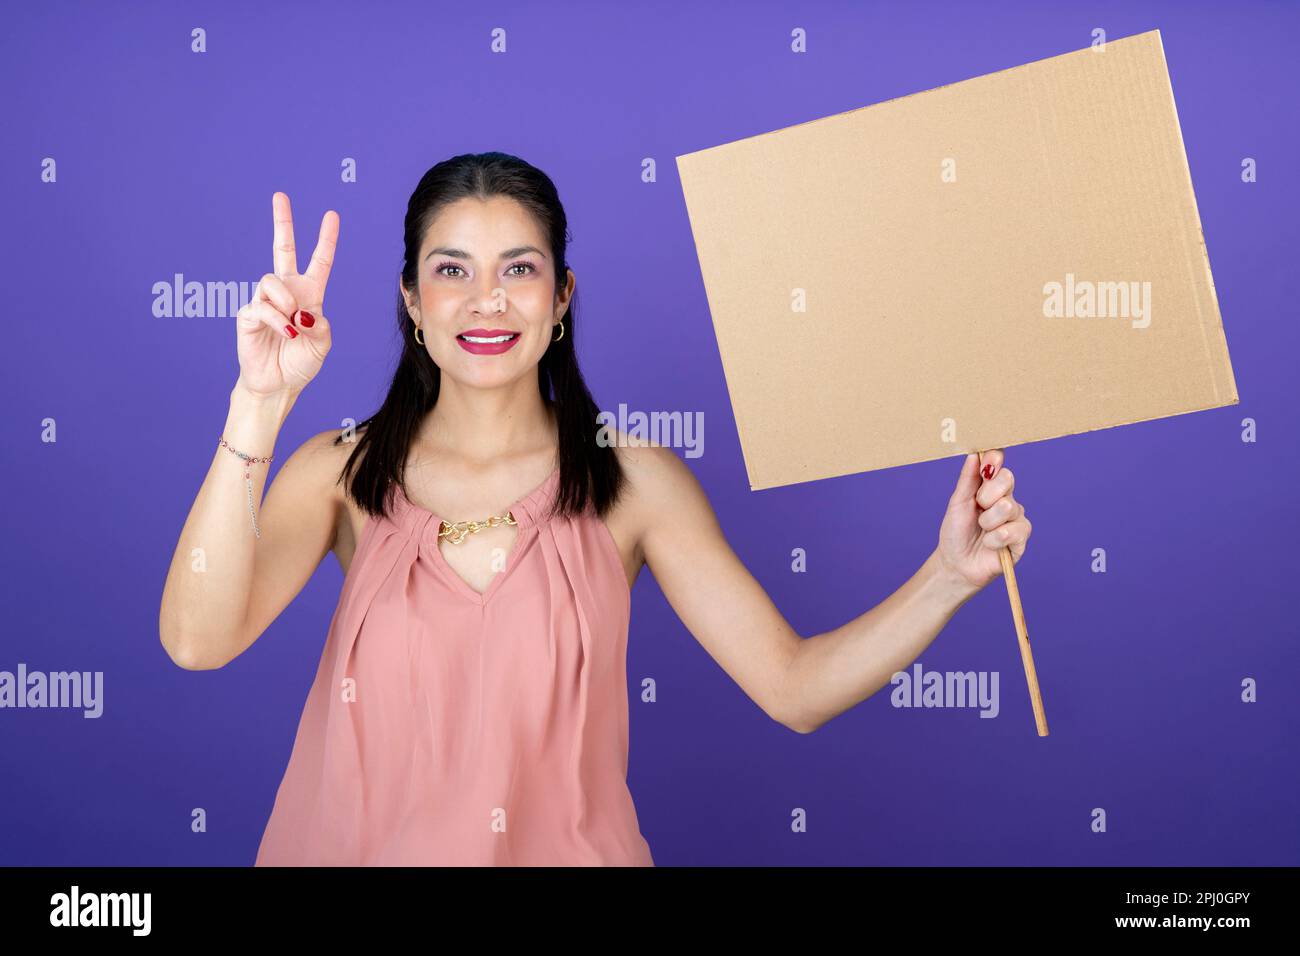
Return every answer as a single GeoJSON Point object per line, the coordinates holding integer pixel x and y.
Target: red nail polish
{"type": "Point", "coordinates": [290, 331]}
{"type": "Point", "coordinates": [307, 319]}
{"type": "Point", "coordinates": [988, 472]}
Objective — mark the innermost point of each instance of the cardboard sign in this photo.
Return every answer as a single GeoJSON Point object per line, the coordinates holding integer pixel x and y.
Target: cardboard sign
{"type": "Point", "coordinates": [1006, 259]}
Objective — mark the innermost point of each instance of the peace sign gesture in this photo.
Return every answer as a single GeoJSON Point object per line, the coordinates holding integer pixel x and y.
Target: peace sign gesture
{"type": "Point", "coordinates": [282, 335]}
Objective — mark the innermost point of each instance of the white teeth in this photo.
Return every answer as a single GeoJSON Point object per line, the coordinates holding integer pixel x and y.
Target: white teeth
{"type": "Point", "coordinates": [484, 341]}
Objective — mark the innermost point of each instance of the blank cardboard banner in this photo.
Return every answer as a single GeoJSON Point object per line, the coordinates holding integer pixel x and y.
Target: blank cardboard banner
{"type": "Point", "coordinates": [1003, 260]}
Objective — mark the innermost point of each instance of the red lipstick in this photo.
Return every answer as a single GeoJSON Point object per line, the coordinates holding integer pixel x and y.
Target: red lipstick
{"type": "Point", "coordinates": [505, 340]}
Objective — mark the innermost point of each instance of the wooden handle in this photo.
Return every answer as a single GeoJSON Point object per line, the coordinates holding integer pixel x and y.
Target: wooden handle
{"type": "Point", "coordinates": [1022, 633]}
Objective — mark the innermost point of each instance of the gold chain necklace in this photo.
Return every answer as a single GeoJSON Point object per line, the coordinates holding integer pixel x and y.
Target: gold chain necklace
{"type": "Point", "coordinates": [459, 530]}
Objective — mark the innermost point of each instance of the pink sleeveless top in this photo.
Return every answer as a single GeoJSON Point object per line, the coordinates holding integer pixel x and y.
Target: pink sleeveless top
{"type": "Point", "coordinates": [451, 728]}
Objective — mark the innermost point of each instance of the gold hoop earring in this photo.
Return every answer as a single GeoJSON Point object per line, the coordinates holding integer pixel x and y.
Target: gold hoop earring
{"type": "Point", "coordinates": [419, 336]}
{"type": "Point", "coordinates": [561, 332]}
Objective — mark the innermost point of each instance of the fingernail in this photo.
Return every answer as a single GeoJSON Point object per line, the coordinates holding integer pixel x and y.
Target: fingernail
{"type": "Point", "coordinates": [307, 319]}
{"type": "Point", "coordinates": [988, 471]}
{"type": "Point", "coordinates": [290, 331]}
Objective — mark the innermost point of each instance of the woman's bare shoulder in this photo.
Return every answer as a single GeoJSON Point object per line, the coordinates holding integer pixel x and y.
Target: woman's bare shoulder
{"type": "Point", "coordinates": [322, 459]}
{"type": "Point", "coordinates": [313, 472]}
{"type": "Point", "coordinates": [657, 480]}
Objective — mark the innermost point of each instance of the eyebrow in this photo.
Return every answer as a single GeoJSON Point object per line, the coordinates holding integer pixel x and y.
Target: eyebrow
{"type": "Point", "coordinates": [462, 254]}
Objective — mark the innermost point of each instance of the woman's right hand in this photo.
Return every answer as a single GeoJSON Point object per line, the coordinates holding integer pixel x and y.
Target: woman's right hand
{"type": "Point", "coordinates": [282, 335]}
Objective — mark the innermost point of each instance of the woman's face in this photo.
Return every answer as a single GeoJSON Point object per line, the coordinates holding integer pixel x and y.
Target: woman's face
{"type": "Point", "coordinates": [485, 271]}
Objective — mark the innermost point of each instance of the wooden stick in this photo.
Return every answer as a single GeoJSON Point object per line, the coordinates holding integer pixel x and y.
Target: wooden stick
{"type": "Point", "coordinates": [1022, 633]}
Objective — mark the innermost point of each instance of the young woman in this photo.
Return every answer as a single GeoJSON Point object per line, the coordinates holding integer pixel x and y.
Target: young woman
{"type": "Point", "coordinates": [470, 705]}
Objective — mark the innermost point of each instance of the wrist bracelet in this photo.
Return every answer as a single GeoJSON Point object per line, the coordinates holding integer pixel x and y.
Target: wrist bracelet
{"type": "Point", "coordinates": [248, 479]}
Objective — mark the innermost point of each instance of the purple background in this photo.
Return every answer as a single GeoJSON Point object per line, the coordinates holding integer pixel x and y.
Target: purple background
{"type": "Point", "coordinates": [166, 163]}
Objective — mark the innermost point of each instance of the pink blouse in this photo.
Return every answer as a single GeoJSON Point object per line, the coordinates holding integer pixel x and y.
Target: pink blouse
{"type": "Point", "coordinates": [451, 728]}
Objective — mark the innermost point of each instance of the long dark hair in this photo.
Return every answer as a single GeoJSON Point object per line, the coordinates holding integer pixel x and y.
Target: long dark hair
{"type": "Point", "coordinates": [589, 471]}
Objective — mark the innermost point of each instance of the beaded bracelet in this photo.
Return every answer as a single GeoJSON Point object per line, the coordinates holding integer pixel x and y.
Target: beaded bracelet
{"type": "Point", "coordinates": [248, 479]}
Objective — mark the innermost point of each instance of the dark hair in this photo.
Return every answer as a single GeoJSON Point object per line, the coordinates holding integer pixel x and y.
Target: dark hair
{"type": "Point", "coordinates": [589, 471]}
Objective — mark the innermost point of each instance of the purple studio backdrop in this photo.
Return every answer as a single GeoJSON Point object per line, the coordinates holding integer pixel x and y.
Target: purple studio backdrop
{"type": "Point", "coordinates": [165, 162]}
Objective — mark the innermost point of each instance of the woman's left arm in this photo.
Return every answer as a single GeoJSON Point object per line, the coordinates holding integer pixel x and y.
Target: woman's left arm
{"type": "Point", "coordinates": [804, 682]}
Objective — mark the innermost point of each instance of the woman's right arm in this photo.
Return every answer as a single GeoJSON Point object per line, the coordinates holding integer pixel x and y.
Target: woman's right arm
{"type": "Point", "coordinates": [225, 584]}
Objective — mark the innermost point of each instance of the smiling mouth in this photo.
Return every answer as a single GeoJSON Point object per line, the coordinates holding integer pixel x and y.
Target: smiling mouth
{"type": "Point", "coordinates": [488, 339]}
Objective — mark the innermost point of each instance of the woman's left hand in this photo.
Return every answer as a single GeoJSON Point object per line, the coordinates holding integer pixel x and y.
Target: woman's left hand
{"type": "Point", "coordinates": [982, 518]}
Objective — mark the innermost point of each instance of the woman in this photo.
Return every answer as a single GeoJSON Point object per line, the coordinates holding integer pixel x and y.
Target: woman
{"type": "Point", "coordinates": [470, 706]}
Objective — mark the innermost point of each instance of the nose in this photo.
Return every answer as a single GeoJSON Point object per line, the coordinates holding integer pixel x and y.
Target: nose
{"type": "Point", "coordinates": [488, 297]}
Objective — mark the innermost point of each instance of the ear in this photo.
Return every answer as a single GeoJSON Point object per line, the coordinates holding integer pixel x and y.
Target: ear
{"type": "Point", "coordinates": [564, 294]}
{"type": "Point", "coordinates": [412, 304]}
